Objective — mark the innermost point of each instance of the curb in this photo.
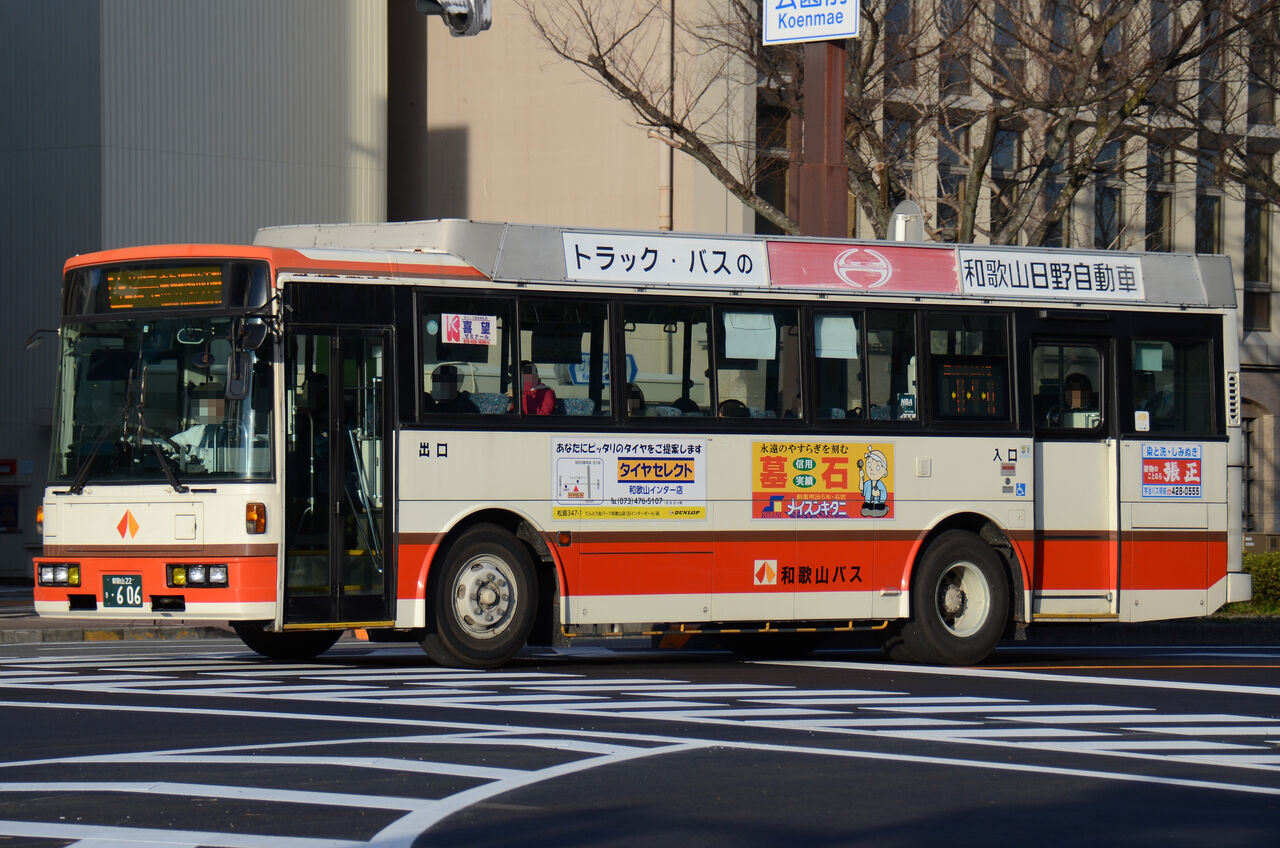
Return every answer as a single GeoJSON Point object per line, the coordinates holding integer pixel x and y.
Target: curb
{"type": "Point", "coordinates": [111, 634]}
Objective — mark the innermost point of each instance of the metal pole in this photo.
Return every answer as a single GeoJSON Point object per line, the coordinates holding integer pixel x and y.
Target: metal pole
{"type": "Point", "coordinates": [824, 177]}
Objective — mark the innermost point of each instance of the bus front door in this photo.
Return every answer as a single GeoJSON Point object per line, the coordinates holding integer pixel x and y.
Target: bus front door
{"type": "Point", "coordinates": [1077, 538]}
{"type": "Point", "coordinates": [336, 478]}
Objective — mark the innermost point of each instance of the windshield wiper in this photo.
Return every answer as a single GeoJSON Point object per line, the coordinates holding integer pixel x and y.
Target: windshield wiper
{"type": "Point", "coordinates": [82, 473]}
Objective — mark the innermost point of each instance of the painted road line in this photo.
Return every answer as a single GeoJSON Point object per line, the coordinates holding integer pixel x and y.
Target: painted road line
{"type": "Point", "coordinates": [1006, 708]}
{"type": "Point", "coordinates": [999, 733]}
{"type": "Point", "coordinates": [1014, 674]}
{"type": "Point", "coordinates": [803, 697]}
{"type": "Point", "coordinates": [1264, 730]}
{"type": "Point", "coordinates": [1148, 745]}
{"type": "Point", "coordinates": [1155, 718]}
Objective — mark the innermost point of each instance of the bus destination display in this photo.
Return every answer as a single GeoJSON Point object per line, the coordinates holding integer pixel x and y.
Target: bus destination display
{"type": "Point", "coordinates": [160, 288]}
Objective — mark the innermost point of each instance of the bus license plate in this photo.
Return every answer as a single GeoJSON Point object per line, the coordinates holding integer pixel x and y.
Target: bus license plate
{"type": "Point", "coordinates": [122, 590]}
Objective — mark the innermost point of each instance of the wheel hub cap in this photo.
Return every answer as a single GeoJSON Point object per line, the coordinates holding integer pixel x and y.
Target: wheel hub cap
{"type": "Point", "coordinates": [483, 597]}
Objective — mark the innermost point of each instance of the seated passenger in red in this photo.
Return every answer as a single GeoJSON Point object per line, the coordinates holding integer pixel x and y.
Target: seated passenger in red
{"type": "Point", "coordinates": [536, 398]}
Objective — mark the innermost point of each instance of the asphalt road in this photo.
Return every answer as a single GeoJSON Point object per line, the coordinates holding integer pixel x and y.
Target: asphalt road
{"type": "Point", "coordinates": [198, 743]}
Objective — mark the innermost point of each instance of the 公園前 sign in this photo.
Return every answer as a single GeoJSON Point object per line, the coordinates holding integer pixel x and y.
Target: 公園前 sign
{"type": "Point", "coordinates": [789, 21]}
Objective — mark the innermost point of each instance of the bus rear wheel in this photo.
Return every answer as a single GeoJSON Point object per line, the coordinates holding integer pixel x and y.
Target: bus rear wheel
{"type": "Point", "coordinates": [284, 646]}
{"type": "Point", "coordinates": [959, 604]}
{"type": "Point", "coordinates": [482, 600]}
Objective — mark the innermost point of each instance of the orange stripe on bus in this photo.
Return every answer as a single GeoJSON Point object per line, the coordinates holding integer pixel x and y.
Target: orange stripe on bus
{"type": "Point", "coordinates": [252, 579]}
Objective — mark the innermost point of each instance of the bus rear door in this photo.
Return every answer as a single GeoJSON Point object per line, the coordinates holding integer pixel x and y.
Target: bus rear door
{"type": "Point", "coordinates": [1076, 485]}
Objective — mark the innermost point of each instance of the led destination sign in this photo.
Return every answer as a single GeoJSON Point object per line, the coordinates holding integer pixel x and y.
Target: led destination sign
{"type": "Point", "coordinates": [161, 288]}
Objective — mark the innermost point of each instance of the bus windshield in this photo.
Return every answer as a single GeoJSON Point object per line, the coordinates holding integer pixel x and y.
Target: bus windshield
{"type": "Point", "coordinates": [161, 400]}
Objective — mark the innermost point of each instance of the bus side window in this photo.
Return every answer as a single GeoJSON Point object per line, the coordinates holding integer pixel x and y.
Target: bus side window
{"type": "Point", "coordinates": [1173, 386]}
{"type": "Point", "coordinates": [970, 366]}
{"type": "Point", "coordinates": [758, 363]}
{"type": "Point", "coordinates": [466, 356]}
{"type": "Point", "coordinates": [840, 357]}
{"type": "Point", "coordinates": [1067, 386]}
{"type": "Point", "coordinates": [668, 345]}
{"type": "Point", "coordinates": [892, 387]}
{"type": "Point", "coordinates": [566, 345]}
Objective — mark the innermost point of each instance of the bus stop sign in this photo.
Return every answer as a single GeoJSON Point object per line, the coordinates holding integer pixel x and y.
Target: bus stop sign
{"type": "Point", "coordinates": [790, 21]}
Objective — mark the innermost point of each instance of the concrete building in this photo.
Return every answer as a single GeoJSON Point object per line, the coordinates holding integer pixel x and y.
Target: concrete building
{"type": "Point", "coordinates": [143, 121]}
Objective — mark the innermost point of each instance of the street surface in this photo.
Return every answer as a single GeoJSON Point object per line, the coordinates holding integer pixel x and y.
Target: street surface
{"type": "Point", "coordinates": [199, 743]}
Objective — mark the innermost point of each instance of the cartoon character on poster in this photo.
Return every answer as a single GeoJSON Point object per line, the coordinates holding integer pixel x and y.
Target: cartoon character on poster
{"type": "Point", "coordinates": [873, 468]}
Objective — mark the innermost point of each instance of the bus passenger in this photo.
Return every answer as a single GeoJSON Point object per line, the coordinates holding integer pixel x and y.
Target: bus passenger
{"type": "Point", "coordinates": [733, 408]}
{"type": "Point", "coordinates": [635, 401]}
{"type": "Point", "coordinates": [1078, 392]}
{"type": "Point", "coordinates": [444, 396]}
{"type": "Point", "coordinates": [536, 398]}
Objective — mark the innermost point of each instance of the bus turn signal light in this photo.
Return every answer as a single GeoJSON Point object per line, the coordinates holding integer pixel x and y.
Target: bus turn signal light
{"type": "Point", "coordinates": [40, 519]}
{"type": "Point", "coordinates": [255, 518]}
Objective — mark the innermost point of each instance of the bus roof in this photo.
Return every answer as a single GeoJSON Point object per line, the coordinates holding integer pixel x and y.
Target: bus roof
{"type": "Point", "coordinates": [423, 264]}
{"type": "Point", "coordinates": [1044, 276]}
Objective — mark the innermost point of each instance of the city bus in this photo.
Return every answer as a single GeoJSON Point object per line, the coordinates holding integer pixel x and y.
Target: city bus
{"type": "Point", "coordinates": [480, 436]}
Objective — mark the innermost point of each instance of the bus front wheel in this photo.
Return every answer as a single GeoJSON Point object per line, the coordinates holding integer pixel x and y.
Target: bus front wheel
{"type": "Point", "coordinates": [284, 646]}
{"type": "Point", "coordinates": [959, 604]}
{"type": "Point", "coordinates": [482, 601]}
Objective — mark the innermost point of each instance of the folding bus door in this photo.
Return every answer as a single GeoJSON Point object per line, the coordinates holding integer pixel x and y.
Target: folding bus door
{"type": "Point", "coordinates": [1076, 486]}
{"type": "Point", "coordinates": [336, 492]}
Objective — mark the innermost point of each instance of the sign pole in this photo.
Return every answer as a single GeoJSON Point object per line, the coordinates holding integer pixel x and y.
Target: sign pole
{"type": "Point", "coordinates": [823, 174]}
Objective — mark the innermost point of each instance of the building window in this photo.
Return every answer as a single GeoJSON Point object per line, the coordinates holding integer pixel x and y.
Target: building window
{"type": "Point", "coordinates": [1165, 89]}
{"type": "Point", "coordinates": [1257, 310]}
{"type": "Point", "coordinates": [1006, 160]}
{"type": "Point", "coordinates": [1262, 64]}
{"type": "Point", "coordinates": [900, 61]}
{"type": "Point", "coordinates": [1159, 179]}
{"type": "Point", "coordinates": [772, 160]}
{"type": "Point", "coordinates": [1257, 241]}
{"type": "Point", "coordinates": [1107, 201]}
{"type": "Point", "coordinates": [953, 64]}
{"type": "Point", "coordinates": [1212, 103]}
{"type": "Point", "coordinates": [1009, 54]}
{"type": "Point", "coordinates": [953, 153]}
{"type": "Point", "coordinates": [898, 133]}
{"type": "Point", "coordinates": [1208, 203]}
{"type": "Point", "coordinates": [1208, 223]}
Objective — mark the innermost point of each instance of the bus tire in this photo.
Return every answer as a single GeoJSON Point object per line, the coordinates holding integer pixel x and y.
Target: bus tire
{"type": "Point", "coordinates": [301, 645]}
{"type": "Point", "coordinates": [959, 604]}
{"type": "Point", "coordinates": [482, 601]}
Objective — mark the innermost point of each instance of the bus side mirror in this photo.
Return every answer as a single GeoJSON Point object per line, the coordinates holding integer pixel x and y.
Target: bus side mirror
{"type": "Point", "coordinates": [252, 336]}
{"type": "Point", "coordinates": [239, 366]}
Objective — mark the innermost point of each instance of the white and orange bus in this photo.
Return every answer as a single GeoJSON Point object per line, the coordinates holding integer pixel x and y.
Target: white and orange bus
{"type": "Point", "coordinates": [478, 436]}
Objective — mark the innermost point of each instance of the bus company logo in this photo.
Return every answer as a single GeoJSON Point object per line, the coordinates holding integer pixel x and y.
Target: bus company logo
{"type": "Point", "coordinates": [765, 572]}
{"type": "Point", "coordinates": [862, 268]}
{"type": "Point", "coordinates": [128, 524]}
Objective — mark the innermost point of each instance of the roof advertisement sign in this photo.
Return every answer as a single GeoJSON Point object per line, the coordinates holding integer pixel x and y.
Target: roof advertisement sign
{"type": "Point", "coordinates": [664, 259]}
{"type": "Point", "coordinates": [863, 268]}
{"type": "Point", "coordinates": [1060, 275]}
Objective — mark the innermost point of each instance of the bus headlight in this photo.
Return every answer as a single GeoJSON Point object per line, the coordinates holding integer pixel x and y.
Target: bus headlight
{"type": "Point", "coordinates": [196, 575]}
{"type": "Point", "coordinates": [59, 574]}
